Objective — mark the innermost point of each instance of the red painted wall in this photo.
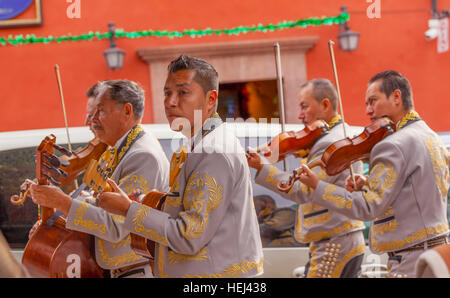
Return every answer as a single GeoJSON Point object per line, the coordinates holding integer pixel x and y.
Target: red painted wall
{"type": "Point", "coordinates": [29, 95]}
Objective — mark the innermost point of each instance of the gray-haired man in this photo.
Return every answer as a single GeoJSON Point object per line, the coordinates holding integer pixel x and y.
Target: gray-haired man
{"type": "Point", "coordinates": [134, 159]}
{"type": "Point", "coordinates": [336, 242]}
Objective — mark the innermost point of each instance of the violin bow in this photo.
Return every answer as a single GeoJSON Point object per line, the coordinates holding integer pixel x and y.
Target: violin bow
{"type": "Point", "coordinates": [333, 62]}
{"type": "Point", "coordinates": [58, 79]}
{"type": "Point", "coordinates": [280, 94]}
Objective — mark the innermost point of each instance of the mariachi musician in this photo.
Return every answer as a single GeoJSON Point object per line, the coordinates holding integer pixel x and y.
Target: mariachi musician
{"type": "Point", "coordinates": [336, 243]}
{"type": "Point", "coordinates": [405, 194]}
{"type": "Point", "coordinates": [134, 159]}
{"type": "Point", "coordinates": [208, 225]}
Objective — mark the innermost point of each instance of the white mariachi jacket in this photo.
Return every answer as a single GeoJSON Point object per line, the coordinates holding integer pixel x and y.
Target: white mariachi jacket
{"type": "Point", "coordinates": [405, 196]}
{"type": "Point", "coordinates": [208, 228]}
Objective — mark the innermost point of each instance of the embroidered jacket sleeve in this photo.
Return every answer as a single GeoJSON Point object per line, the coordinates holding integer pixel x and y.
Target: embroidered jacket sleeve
{"type": "Point", "coordinates": [210, 182]}
{"type": "Point", "coordinates": [386, 178]}
{"type": "Point", "coordinates": [138, 169]}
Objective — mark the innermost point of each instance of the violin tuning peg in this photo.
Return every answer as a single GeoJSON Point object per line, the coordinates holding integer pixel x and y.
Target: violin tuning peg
{"type": "Point", "coordinates": [62, 150]}
{"type": "Point", "coordinates": [64, 163]}
{"type": "Point", "coordinates": [62, 173]}
{"type": "Point", "coordinates": [55, 172]}
{"type": "Point", "coordinates": [52, 181]}
{"type": "Point", "coordinates": [53, 160]}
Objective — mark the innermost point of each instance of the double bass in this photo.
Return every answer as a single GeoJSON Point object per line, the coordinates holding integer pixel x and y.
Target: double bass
{"type": "Point", "coordinates": [53, 250]}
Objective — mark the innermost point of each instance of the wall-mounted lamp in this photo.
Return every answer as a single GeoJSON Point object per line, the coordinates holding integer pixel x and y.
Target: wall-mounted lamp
{"type": "Point", "coordinates": [348, 40]}
{"type": "Point", "coordinates": [114, 56]}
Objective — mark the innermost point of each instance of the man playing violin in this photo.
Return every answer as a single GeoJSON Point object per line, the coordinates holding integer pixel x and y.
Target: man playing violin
{"type": "Point", "coordinates": [405, 194]}
{"type": "Point", "coordinates": [134, 159]}
{"type": "Point", "coordinates": [90, 107]}
{"type": "Point", "coordinates": [336, 243]}
{"type": "Point", "coordinates": [208, 225]}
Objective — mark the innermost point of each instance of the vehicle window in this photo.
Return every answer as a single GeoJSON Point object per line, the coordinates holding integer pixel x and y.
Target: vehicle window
{"type": "Point", "coordinates": [15, 221]}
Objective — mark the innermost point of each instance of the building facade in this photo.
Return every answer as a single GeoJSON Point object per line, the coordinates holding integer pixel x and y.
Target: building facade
{"type": "Point", "coordinates": [391, 37]}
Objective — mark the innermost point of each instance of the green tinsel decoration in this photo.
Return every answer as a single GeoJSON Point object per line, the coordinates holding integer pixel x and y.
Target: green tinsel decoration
{"type": "Point", "coordinates": [193, 33]}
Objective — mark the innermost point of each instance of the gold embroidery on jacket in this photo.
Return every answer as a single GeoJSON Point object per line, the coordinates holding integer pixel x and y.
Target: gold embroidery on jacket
{"type": "Point", "coordinates": [389, 226]}
{"type": "Point", "coordinates": [389, 212]}
{"type": "Point", "coordinates": [345, 227]}
{"type": "Point", "coordinates": [314, 266]}
{"type": "Point", "coordinates": [303, 188]}
{"type": "Point", "coordinates": [215, 193]}
{"type": "Point", "coordinates": [173, 201]}
{"type": "Point", "coordinates": [391, 175]}
{"type": "Point", "coordinates": [188, 189]}
{"type": "Point", "coordinates": [269, 179]}
{"type": "Point", "coordinates": [194, 225]}
{"type": "Point", "coordinates": [232, 271]}
{"type": "Point", "coordinates": [412, 239]}
{"type": "Point", "coordinates": [118, 218]}
{"type": "Point", "coordinates": [160, 251]}
{"type": "Point", "coordinates": [124, 242]}
{"type": "Point", "coordinates": [117, 261]}
{"type": "Point", "coordinates": [374, 180]}
{"type": "Point", "coordinates": [412, 115]}
{"type": "Point", "coordinates": [336, 200]}
{"type": "Point", "coordinates": [310, 207]}
{"type": "Point", "coordinates": [174, 258]}
{"type": "Point", "coordinates": [438, 154]}
{"type": "Point", "coordinates": [89, 224]}
{"type": "Point", "coordinates": [374, 190]}
{"type": "Point", "coordinates": [134, 182]}
{"type": "Point", "coordinates": [323, 218]}
{"type": "Point", "coordinates": [139, 228]}
{"type": "Point", "coordinates": [195, 221]}
{"type": "Point", "coordinates": [130, 137]}
{"type": "Point", "coordinates": [298, 226]}
{"type": "Point", "coordinates": [334, 121]}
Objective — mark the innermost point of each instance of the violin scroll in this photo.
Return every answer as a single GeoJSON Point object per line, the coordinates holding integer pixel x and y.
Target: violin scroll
{"type": "Point", "coordinates": [286, 186]}
{"type": "Point", "coordinates": [18, 200]}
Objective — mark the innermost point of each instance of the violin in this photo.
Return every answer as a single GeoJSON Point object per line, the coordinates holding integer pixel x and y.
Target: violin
{"type": "Point", "coordinates": [341, 154]}
{"type": "Point", "coordinates": [291, 142]}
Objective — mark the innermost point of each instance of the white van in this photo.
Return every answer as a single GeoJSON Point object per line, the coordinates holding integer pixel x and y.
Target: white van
{"type": "Point", "coordinates": [17, 162]}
